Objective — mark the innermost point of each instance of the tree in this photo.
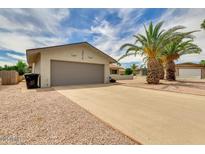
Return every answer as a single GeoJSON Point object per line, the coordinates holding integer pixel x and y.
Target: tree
{"type": "Point", "coordinates": [203, 25]}
{"type": "Point", "coordinates": [21, 67]}
{"type": "Point", "coordinates": [8, 68]}
{"type": "Point", "coordinates": [173, 51]}
{"type": "Point", "coordinates": [161, 69]}
{"type": "Point", "coordinates": [134, 67]}
{"type": "Point", "coordinates": [202, 62]}
{"type": "Point", "coordinates": [128, 71]}
{"type": "Point", "coordinates": [150, 45]}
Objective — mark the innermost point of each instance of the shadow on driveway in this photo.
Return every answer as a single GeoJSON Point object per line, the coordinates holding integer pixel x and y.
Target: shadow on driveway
{"type": "Point", "coordinates": [85, 86]}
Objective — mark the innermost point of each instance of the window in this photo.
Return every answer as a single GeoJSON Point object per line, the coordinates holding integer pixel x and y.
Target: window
{"type": "Point", "coordinates": [113, 71]}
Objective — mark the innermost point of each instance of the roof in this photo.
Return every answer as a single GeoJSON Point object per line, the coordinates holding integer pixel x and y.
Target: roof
{"type": "Point", "coordinates": [189, 64]}
{"type": "Point", "coordinates": [37, 50]}
{"type": "Point", "coordinates": [114, 66]}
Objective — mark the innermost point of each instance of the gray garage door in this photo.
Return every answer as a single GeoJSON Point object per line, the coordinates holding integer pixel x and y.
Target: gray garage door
{"type": "Point", "coordinates": [73, 73]}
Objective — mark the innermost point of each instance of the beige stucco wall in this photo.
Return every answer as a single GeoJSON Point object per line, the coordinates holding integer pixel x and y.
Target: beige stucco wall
{"type": "Point", "coordinates": [37, 68]}
{"type": "Point", "coordinates": [77, 53]}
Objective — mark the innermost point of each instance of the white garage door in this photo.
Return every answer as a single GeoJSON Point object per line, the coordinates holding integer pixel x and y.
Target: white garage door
{"type": "Point", "coordinates": [190, 73]}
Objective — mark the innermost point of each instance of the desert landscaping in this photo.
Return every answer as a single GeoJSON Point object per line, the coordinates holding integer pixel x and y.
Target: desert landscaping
{"type": "Point", "coordinates": [44, 116]}
{"type": "Point", "coordinates": [76, 93]}
{"type": "Point", "coordinates": [68, 115]}
{"type": "Point", "coordinates": [186, 86]}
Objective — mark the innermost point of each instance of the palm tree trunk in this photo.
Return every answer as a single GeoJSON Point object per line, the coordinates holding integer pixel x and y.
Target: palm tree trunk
{"type": "Point", "coordinates": [170, 71]}
{"type": "Point", "coordinates": [161, 71]}
{"type": "Point", "coordinates": [152, 71]}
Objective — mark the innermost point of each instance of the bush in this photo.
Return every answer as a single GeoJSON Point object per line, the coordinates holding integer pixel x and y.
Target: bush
{"type": "Point", "coordinates": [202, 62]}
{"type": "Point", "coordinates": [128, 71]}
{"type": "Point", "coordinates": [20, 67]}
{"type": "Point", "coordinates": [8, 68]}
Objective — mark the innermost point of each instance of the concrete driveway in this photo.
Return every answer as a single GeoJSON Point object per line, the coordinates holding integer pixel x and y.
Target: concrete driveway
{"type": "Point", "coordinates": [148, 116]}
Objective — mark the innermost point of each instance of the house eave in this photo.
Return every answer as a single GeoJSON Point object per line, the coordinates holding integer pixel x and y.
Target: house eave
{"type": "Point", "coordinates": [34, 51]}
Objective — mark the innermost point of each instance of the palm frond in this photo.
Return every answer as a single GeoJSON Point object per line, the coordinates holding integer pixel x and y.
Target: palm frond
{"type": "Point", "coordinates": [162, 44]}
{"type": "Point", "coordinates": [127, 55]}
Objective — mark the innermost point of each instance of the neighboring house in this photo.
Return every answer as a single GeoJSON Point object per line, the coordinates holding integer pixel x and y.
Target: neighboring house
{"type": "Point", "coordinates": [70, 64]}
{"type": "Point", "coordinates": [118, 73]}
{"type": "Point", "coordinates": [115, 69]}
{"type": "Point", "coordinates": [141, 71]}
{"type": "Point", "coordinates": [190, 70]}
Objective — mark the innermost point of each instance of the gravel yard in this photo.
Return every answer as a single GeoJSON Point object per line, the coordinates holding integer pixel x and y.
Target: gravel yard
{"type": "Point", "coordinates": [44, 116]}
{"type": "Point", "coordinates": [186, 86]}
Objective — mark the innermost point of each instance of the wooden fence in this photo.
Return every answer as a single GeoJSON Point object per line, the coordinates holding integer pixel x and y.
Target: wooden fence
{"type": "Point", "coordinates": [9, 77]}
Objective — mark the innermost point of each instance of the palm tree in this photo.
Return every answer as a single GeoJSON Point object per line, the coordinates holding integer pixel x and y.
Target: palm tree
{"type": "Point", "coordinates": [161, 69]}
{"type": "Point", "coordinates": [134, 67]}
{"type": "Point", "coordinates": [161, 66]}
{"type": "Point", "coordinates": [173, 51]}
{"type": "Point", "coordinates": [203, 25]}
{"type": "Point", "coordinates": [150, 45]}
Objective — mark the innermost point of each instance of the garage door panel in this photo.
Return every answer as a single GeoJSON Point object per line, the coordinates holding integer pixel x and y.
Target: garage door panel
{"type": "Point", "coordinates": [73, 73]}
{"type": "Point", "coordinates": [190, 73]}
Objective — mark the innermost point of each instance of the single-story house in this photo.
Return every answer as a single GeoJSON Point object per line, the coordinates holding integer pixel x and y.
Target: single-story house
{"type": "Point", "coordinates": [70, 64]}
{"type": "Point", "coordinates": [190, 70]}
{"type": "Point", "coordinates": [115, 69]}
{"type": "Point", "coordinates": [141, 71]}
{"type": "Point", "coordinates": [118, 73]}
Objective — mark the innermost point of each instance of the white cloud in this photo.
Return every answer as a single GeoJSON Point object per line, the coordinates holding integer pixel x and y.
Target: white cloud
{"type": "Point", "coordinates": [16, 42]}
{"type": "Point", "coordinates": [109, 39]}
{"type": "Point", "coordinates": [2, 63]}
{"type": "Point", "coordinates": [17, 57]}
{"type": "Point", "coordinates": [21, 29]}
{"type": "Point", "coordinates": [32, 20]}
{"type": "Point", "coordinates": [26, 28]}
{"type": "Point", "coordinates": [130, 59]}
{"type": "Point", "coordinates": [191, 19]}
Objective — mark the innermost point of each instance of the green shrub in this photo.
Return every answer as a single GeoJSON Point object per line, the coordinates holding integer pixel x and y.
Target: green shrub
{"type": "Point", "coordinates": [8, 68]}
{"type": "Point", "coordinates": [202, 62]}
{"type": "Point", "coordinates": [20, 67]}
{"type": "Point", "coordinates": [128, 71]}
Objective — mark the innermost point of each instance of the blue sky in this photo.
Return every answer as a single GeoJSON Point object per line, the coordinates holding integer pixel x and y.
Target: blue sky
{"type": "Point", "coordinates": [107, 29]}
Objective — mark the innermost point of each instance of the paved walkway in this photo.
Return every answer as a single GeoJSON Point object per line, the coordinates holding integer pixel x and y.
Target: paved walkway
{"type": "Point", "coordinates": [149, 116]}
